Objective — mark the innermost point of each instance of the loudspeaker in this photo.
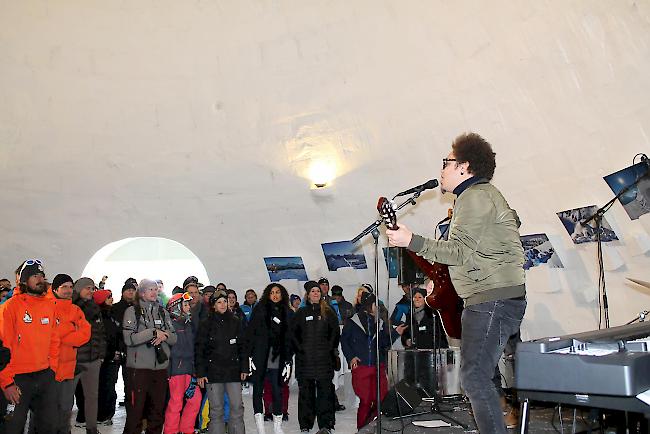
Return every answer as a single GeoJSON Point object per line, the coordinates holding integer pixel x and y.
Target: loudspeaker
{"type": "Point", "coordinates": [408, 272]}
{"type": "Point", "coordinates": [403, 395]}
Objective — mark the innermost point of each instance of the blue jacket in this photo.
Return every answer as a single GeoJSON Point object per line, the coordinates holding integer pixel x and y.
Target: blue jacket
{"type": "Point", "coordinates": [402, 309]}
{"type": "Point", "coordinates": [357, 342]}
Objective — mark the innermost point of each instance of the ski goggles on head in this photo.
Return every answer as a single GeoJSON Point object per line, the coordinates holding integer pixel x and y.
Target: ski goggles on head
{"type": "Point", "coordinates": [28, 263]}
{"type": "Point", "coordinates": [187, 296]}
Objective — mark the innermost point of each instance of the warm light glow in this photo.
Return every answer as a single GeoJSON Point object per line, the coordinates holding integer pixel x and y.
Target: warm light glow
{"type": "Point", "coordinates": [321, 173]}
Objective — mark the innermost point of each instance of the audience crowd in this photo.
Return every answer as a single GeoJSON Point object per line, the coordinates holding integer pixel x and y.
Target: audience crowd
{"type": "Point", "coordinates": [185, 360]}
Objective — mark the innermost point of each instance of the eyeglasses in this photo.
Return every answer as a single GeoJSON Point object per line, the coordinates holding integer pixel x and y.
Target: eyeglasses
{"type": "Point", "coordinates": [445, 161]}
{"type": "Point", "coordinates": [29, 262]}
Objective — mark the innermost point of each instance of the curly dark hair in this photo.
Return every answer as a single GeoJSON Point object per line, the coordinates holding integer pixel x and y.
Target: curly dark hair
{"type": "Point", "coordinates": [267, 294]}
{"type": "Point", "coordinates": [473, 149]}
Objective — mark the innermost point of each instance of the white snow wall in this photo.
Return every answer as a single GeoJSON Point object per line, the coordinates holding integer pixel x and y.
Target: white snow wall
{"type": "Point", "coordinates": [197, 121]}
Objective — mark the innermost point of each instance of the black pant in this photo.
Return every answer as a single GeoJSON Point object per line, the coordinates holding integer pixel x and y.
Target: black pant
{"type": "Point", "coordinates": [146, 390]}
{"type": "Point", "coordinates": [38, 394]}
{"type": "Point", "coordinates": [315, 400]}
{"type": "Point", "coordinates": [107, 394]}
{"type": "Point", "coordinates": [276, 391]}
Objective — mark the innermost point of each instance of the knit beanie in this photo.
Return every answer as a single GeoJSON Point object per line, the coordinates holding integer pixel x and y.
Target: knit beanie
{"type": "Point", "coordinates": [146, 284]}
{"type": "Point", "coordinates": [310, 284]}
{"type": "Point", "coordinates": [82, 283]}
{"type": "Point", "coordinates": [129, 285]}
{"type": "Point", "coordinates": [59, 280]}
{"type": "Point", "coordinates": [101, 295]}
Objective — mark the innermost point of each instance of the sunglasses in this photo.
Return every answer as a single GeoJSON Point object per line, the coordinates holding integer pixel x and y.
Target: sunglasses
{"type": "Point", "coordinates": [187, 296]}
{"type": "Point", "coordinates": [28, 263]}
{"type": "Point", "coordinates": [446, 161]}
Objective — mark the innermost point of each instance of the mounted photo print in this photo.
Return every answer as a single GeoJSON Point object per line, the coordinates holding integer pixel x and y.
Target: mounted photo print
{"type": "Point", "coordinates": [636, 200]}
{"type": "Point", "coordinates": [585, 233]}
{"type": "Point", "coordinates": [341, 254]}
{"type": "Point", "coordinates": [392, 264]}
{"type": "Point", "coordinates": [539, 250]}
{"type": "Point", "coordinates": [287, 267]}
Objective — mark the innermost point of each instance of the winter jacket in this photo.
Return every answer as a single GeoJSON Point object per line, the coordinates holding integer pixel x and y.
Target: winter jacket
{"type": "Point", "coordinates": [138, 332]}
{"type": "Point", "coordinates": [257, 338]}
{"type": "Point", "coordinates": [95, 348]}
{"type": "Point", "coordinates": [219, 347]}
{"type": "Point", "coordinates": [29, 331]}
{"type": "Point", "coordinates": [483, 250]}
{"type": "Point", "coordinates": [74, 331]}
{"type": "Point", "coordinates": [315, 338]}
{"type": "Point", "coordinates": [358, 339]}
{"type": "Point", "coordinates": [181, 359]}
{"type": "Point", "coordinates": [425, 331]}
{"type": "Point", "coordinates": [113, 331]}
{"type": "Point", "coordinates": [117, 311]}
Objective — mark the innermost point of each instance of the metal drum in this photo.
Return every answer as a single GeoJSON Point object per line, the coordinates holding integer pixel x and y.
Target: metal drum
{"type": "Point", "coordinates": [417, 368]}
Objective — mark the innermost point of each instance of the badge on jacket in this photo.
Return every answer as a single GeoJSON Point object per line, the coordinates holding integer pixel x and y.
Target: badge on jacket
{"type": "Point", "coordinates": [27, 319]}
{"type": "Point", "coordinates": [276, 320]}
{"type": "Point", "coordinates": [45, 320]}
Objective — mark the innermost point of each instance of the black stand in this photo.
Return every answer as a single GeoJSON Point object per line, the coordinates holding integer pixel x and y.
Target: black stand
{"type": "Point", "coordinates": [598, 218]}
{"type": "Point", "coordinates": [373, 229]}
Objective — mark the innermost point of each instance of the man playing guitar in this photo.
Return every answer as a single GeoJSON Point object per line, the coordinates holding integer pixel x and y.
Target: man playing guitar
{"type": "Point", "coordinates": [485, 259]}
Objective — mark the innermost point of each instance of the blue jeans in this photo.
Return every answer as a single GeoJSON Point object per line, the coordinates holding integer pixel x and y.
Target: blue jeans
{"type": "Point", "coordinates": [486, 329]}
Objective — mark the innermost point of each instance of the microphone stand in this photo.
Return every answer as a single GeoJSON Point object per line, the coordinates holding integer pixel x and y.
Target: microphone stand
{"type": "Point", "coordinates": [373, 229]}
{"type": "Point", "coordinates": [598, 218]}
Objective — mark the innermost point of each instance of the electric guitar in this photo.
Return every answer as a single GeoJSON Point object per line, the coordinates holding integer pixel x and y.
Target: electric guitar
{"type": "Point", "coordinates": [444, 298]}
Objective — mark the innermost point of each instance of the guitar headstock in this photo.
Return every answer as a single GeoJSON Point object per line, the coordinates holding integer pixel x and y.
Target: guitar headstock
{"type": "Point", "coordinates": [387, 212]}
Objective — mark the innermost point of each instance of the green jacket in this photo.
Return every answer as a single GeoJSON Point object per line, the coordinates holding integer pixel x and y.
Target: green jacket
{"type": "Point", "coordinates": [483, 249]}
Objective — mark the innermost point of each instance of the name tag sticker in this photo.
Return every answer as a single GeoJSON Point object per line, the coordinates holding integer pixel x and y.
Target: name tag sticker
{"type": "Point", "coordinates": [276, 320]}
{"type": "Point", "coordinates": [233, 341]}
{"type": "Point", "coordinates": [45, 320]}
{"type": "Point", "coordinates": [309, 318]}
{"type": "Point", "coordinates": [157, 321]}
{"type": "Point", "coordinates": [422, 328]}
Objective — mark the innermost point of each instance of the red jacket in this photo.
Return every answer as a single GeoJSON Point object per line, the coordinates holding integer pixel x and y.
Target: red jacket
{"type": "Point", "coordinates": [29, 330]}
{"type": "Point", "coordinates": [74, 331]}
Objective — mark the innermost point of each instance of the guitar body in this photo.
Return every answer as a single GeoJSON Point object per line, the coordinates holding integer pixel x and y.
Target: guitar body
{"type": "Point", "coordinates": [444, 298]}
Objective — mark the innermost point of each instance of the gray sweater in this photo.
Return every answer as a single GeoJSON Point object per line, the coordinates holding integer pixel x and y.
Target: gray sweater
{"type": "Point", "coordinates": [138, 334]}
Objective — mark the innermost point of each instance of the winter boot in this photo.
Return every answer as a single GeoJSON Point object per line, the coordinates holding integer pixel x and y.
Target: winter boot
{"type": "Point", "coordinates": [277, 424]}
{"type": "Point", "coordinates": [259, 422]}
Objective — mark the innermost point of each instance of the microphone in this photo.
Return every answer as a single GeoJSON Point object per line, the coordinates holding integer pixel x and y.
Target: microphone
{"type": "Point", "coordinates": [432, 183]}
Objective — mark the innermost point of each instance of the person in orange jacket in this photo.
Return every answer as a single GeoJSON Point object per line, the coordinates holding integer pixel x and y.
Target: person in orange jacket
{"type": "Point", "coordinates": [29, 331]}
{"type": "Point", "coordinates": [74, 331]}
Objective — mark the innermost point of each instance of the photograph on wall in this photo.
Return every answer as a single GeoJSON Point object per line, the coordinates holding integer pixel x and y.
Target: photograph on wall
{"type": "Point", "coordinates": [539, 250]}
{"type": "Point", "coordinates": [585, 233]}
{"type": "Point", "coordinates": [341, 254]}
{"type": "Point", "coordinates": [287, 267]}
{"type": "Point", "coordinates": [390, 257]}
{"type": "Point", "coordinates": [636, 200]}
{"type": "Point", "coordinates": [443, 231]}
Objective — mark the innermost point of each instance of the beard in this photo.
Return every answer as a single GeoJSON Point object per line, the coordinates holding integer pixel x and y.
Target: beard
{"type": "Point", "coordinates": [39, 289]}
